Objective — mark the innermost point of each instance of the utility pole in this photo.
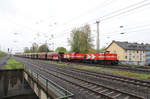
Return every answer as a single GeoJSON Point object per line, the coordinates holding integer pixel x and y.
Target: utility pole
{"type": "Point", "coordinates": [98, 42]}
{"type": "Point", "coordinates": [46, 46]}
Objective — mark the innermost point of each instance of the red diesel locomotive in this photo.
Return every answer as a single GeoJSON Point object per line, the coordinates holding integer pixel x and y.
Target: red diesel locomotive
{"type": "Point", "coordinates": [101, 58]}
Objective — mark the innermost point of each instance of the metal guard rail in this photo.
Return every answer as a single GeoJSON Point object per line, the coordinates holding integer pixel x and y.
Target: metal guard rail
{"type": "Point", "coordinates": [65, 94]}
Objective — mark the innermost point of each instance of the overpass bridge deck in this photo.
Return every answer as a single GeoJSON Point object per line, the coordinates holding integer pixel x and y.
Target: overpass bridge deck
{"type": "Point", "coordinates": [52, 90]}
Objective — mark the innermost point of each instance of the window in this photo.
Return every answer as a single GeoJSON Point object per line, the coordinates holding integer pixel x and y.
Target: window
{"type": "Point", "coordinates": [137, 52]}
{"type": "Point", "coordinates": [126, 57]}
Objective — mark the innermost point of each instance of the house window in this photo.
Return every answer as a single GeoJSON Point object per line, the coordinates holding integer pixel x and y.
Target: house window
{"type": "Point", "coordinates": [125, 57]}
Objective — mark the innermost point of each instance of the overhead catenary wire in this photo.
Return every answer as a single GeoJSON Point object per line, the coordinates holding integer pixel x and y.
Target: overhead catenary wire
{"type": "Point", "coordinates": [66, 32]}
{"type": "Point", "coordinates": [129, 10]}
{"type": "Point", "coordinates": [34, 30]}
{"type": "Point", "coordinates": [118, 13]}
{"type": "Point", "coordinates": [127, 29]}
{"type": "Point", "coordinates": [127, 32]}
{"type": "Point", "coordinates": [103, 4]}
{"type": "Point", "coordinates": [106, 14]}
{"type": "Point", "coordinates": [125, 10]}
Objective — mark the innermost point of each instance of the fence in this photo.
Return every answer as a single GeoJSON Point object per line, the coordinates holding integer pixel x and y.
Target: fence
{"type": "Point", "coordinates": [59, 91]}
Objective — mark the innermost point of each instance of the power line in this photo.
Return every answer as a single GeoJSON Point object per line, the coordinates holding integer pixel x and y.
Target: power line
{"type": "Point", "coordinates": [126, 32]}
{"type": "Point", "coordinates": [130, 28]}
{"type": "Point", "coordinates": [111, 12]}
{"type": "Point", "coordinates": [88, 11]}
{"type": "Point", "coordinates": [91, 10]}
{"type": "Point", "coordinates": [118, 12]}
{"type": "Point", "coordinates": [127, 11]}
{"type": "Point", "coordinates": [124, 8]}
{"type": "Point", "coordinates": [128, 7]}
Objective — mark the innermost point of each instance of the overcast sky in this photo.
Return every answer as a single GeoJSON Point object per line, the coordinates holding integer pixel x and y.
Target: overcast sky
{"type": "Point", "coordinates": [23, 22]}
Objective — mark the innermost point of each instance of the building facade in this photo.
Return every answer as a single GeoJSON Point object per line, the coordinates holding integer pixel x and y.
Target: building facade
{"type": "Point", "coordinates": [131, 53]}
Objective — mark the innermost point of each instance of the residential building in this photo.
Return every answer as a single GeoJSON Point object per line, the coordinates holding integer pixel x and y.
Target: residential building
{"type": "Point", "coordinates": [131, 53]}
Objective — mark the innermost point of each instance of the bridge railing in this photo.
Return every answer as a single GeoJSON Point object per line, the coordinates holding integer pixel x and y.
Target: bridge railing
{"type": "Point", "coordinates": [59, 91]}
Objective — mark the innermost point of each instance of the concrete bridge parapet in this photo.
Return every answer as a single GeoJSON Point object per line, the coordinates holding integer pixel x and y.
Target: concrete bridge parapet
{"type": "Point", "coordinates": [12, 83]}
{"type": "Point", "coordinates": [44, 87]}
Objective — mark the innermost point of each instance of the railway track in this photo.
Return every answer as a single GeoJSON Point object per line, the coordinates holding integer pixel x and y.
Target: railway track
{"type": "Point", "coordinates": [93, 87]}
{"type": "Point", "coordinates": [110, 76]}
{"type": "Point", "coordinates": [99, 90]}
{"type": "Point", "coordinates": [128, 80]}
{"type": "Point", "coordinates": [124, 68]}
{"type": "Point", "coordinates": [131, 84]}
{"type": "Point", "coordinates": [130, 69]}
{"type": "Point", "coordinates": [120, 67]}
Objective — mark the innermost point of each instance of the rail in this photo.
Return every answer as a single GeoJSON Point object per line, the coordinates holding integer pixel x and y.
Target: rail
{"type": "Point", "coordinates": [59, 91]}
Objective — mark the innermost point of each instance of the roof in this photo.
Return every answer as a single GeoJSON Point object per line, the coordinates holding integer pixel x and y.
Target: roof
{"type": "Point", "coordinates": [132, 46]}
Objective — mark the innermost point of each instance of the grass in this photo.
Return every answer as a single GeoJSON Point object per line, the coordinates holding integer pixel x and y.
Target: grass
{"type": "Point", "coordinates": [3, 54]}
{"type": "Point", "coordinates": [57, 63]}
{"type": "Point", "coordinates": [115, 72]}
{"type": "Point", "coordinates": [13, 64]}
{"type": "Point", "coordinates": [148, 67]}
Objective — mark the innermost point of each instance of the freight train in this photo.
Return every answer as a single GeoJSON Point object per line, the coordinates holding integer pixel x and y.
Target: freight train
{"type": "Point", "coordinates": [101, 58]}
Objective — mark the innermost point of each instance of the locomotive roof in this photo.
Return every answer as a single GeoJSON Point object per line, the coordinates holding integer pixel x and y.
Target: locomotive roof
{"type": "Point", "coordinates": [133, 46]}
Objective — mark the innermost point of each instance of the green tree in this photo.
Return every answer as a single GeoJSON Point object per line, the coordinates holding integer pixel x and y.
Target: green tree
{"type": "Point", "coordinates": [103, 49]}
{"type": "Point", "coordinates": [60, 49]}
{"type": "Point", "coordinates": [2, 54]}
{"type": "Point", "coordinates": [26, 50]}
{"type": "Point", "coordinates": [81, 40]}
{"type": "Point", "coordinates": [43, 48]}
